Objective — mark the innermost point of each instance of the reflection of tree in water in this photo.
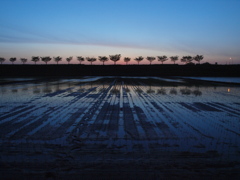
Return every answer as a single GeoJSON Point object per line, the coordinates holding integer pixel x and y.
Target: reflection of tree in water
{"type": "Point", "coordinates": [58, 86]}
{"type": "Point", "coordinates": [197, 92]}
{"type": "Point", "coordinates": [25, 89]}
{"type": "Point", "coordinates": [161, 91]}
{"type": "Point", "coordinates": [3, 90]}
{"type": "Point", "coordinates": [81, 90]}
{"type": "Point", "coordinates": [139, 90]}
{"type": "Point", "coordinates": [93, 88]}
{"type": "Point", "coordinates": [69, 87]}
{"type": "Point", "coordinates": [173, 91]}
{"type": "Point", "coordinates": [47, 88]}
{"type": "Point", "coordinates": [185, 91]}
{"type": "Point", "coordinates": [102, 90]}
{"type": "Point", "coordinates": [150, 90]}
{"type": "Point", "coordinates": [14, 90]}
{"type": "Point", "coordinates": [127, 90]}
{"type": "Point", "coordinates": [36, 91]}
{"type": "Point", "coordinates": [114, 90]}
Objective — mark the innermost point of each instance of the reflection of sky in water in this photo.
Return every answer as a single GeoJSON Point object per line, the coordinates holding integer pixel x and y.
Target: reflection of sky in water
{"type": "Point", "coordinates": [16, 92]}
{"type": "Point", "coordinates": [196, 117]}
{"type": "Point", "coordinates": [218, 79]}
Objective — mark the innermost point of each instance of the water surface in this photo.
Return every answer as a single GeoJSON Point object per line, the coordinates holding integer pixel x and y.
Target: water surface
{"type": "Point", "coordinates": [42, 120]}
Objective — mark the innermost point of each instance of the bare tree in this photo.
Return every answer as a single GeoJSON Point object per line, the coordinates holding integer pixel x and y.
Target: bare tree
{"type": "Point", "coordinates": [91, 59]}
{"type": "Point", "coordinates": [198, 58]}
{"type": "Point", "coordinates": [80, 59]}
{"type": "Point", "coordinates": [2, 59]}
{"type": "Point", "coordinates": [35, 59]}
{"type": "Point", "coordinates": [138, 59]}
{"type": "Point", "coordinates": [46, 59]}
{"type": "Point", "coordinates": [24, 60]}
{"type": "Point", "coordinates": [151, 59]}
{"type": "Point", "coordinates": [115, 58]}
{"type": "Point", "coordinates": [162, 58]}
{"type": "Point", "coordinates": [174, 58]}
{"type": "Point", "coordinates": [127, 59]}
{"type": "Point", "coordinates": [57, 59]}
{"type": "Point", "coordinates": [12, 59]}
{"type": "Point", "coordinates": [103, 59]}
{"type": "Point", "coordinates": [69, 59]}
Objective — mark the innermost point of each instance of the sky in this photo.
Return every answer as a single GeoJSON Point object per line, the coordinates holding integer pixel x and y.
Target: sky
{"type": "Point", "coordinates": [92, 28]}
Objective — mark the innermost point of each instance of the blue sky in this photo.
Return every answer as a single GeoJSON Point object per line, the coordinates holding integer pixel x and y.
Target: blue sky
{"type": "Point", "coordinates": [127, 27]}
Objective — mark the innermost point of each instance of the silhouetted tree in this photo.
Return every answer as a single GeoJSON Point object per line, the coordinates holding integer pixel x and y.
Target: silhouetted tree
{"type": "Point", "coordinates": [138, 59]}
{"type": "Point", "coordinates": [115, 58]}
{"type": "Point", "coordinates": [46, 59]}
{"type": "Point", "coordinates": [24, 60]}
{"type": "Point", "coordinates": [57, 59]}
{"type": "Point", "coordinates": [2, 59]}
{"type": "Point", "coordinates": [103, 59]}
{"type": "Point", "coordinates": [151, 59]}
{"type": "Point", "coordinates": [12, 59]}
{"type": "Point", "coordinates": [35, 59]}
{"type": "Point", "coordinates": [174, 58]}
{"type": "Point", "coordinates": [91, 59]}
{"type": "Point", "coordinates": [187, 59]}
{"type": "Point", "coordinates": [127, 59]}
{"type": "Point", "coordinates": [80, 59]}
{"type": "Point", "coordinates": [162, 58]}
{"type": "Point", "coordinates": [198, 58]}
{"type": "Point", "coordinates": [69, 59]}
{"type": "Point", "coordinates": [184, 59]}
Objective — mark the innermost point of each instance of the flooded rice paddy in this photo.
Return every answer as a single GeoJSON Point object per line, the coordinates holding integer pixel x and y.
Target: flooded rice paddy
{"type": "Point", "coordinates": [71, 123]}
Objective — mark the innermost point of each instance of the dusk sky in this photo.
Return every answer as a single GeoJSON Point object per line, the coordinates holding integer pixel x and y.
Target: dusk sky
{"type": "Point", "coordinates": [127, 27]}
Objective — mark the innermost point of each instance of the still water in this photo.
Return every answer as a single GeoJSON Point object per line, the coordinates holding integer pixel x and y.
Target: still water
{"type": "Point", "coordinates": [120, 115]}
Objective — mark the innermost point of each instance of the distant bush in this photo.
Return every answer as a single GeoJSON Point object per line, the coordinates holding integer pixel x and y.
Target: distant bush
{"type": "Point", "coordinates": [206, 63]}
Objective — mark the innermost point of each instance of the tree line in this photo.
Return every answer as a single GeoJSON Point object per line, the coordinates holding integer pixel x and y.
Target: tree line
{"type": "Point", "coordinates": [114, 58]}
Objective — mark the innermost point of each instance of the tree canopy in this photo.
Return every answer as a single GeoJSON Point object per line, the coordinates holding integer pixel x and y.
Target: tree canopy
{"type": "Point", "coordinates": [115, 57]}
{"type": "Point", "coordinates": [138, 59]}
